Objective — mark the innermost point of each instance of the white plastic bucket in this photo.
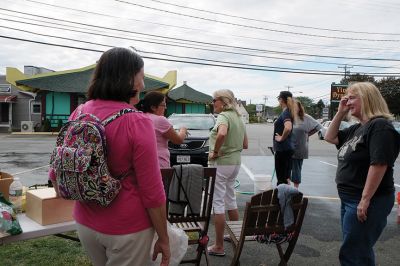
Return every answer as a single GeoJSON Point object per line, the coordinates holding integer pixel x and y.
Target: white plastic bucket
{"type": "Point", "coordinates": [262, 183]}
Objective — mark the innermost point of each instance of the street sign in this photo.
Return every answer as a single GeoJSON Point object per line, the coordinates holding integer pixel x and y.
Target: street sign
{"type": "Point", "coordinates": [259, 107]}
{"type": "Point", "coordinates": [337, 92]}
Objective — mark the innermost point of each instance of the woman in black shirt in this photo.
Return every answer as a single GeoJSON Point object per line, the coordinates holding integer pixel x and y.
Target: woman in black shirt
{"type": "Point", "coordinates": [364, 177]}
{"type": "Point", "coordinates": [282, 138]}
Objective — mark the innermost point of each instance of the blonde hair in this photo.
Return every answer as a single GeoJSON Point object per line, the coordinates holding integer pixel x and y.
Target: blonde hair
{"type": "Point", "coordinates": [228, 98]}
{"type": "Point", "coordinates": [372, 102]}
{"type": "Point", "coordinates": [291, 104]}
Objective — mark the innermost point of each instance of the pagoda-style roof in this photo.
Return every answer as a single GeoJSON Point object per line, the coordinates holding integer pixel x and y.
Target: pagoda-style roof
{"type": "Point", "coordinates": [185, 93]}
{"type": "Point", "coordinates": [76, 80]}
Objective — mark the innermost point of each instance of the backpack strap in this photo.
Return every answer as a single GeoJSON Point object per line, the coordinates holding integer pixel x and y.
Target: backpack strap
{"type": "Point", "coordinates": [111, 118]}
{"type": "Point", "coordinates": [80, 115]}
{"type": "Point", "coordinates": [120, 113]}
{"type": "Point", "coordinates": [79, 110]}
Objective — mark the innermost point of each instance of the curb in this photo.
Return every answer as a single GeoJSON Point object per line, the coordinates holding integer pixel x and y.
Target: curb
{"type": "Point", "coordinates": [35, 133]}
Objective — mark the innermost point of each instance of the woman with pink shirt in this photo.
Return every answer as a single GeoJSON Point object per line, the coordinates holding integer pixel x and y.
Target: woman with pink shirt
{"type": "Point", "coordinates": [122, 233]}
{"type": "Point", "coordinates": [154, 104]}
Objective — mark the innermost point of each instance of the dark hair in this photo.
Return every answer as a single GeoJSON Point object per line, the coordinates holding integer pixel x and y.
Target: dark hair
{"type": "Point", "coordinates": [284, 95]}
{"type": "Point", "coordinates": [153, 98]}
{"type": "Point", "coordinates": [113, 77]}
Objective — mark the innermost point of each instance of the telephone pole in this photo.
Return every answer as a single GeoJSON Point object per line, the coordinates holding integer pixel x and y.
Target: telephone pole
{"type": "Point", "coordinates": [288, 87]}
{"type": "Point", "coordinates": [265, 104]}
{"type": "Point", "coordinates": [345, 67]}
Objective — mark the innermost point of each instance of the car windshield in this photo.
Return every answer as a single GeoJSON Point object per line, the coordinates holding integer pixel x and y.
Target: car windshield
{"type": "Point", "coordinates": [192, 122]}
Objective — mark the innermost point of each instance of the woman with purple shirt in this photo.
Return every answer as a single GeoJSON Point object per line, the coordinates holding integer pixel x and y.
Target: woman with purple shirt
{"type": "Point", "coordinates": [154, 105]}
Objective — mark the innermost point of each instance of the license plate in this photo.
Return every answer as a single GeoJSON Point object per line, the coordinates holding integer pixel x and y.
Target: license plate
{"type": "Point", "coordinates": [183, 158]}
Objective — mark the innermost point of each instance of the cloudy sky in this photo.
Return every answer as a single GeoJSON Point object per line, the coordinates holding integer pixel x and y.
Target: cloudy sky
{"type": "Point", "coordinates": [256, 48]}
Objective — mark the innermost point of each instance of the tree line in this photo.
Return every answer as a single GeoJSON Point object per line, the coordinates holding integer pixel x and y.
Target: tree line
{"type": "Point", "coordinates": [389, 87]}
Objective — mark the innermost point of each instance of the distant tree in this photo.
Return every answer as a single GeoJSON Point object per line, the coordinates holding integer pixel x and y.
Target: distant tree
{"type": "Point", "coordinates": [251, 109]}
{"type": "Point", "coordinates": [307, 103]}
{"type": "Point", "coordinates": [318, 109]}
{"type": "Point", "coordinates": [390, 89]}
{"type": "Point", "coordinates": [277, 110]}
{"type": "Point", "coordinates": [357, 78]}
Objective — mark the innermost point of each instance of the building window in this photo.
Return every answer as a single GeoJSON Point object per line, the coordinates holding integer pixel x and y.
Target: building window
{"type": "Point", "coordinates": [36, 108]}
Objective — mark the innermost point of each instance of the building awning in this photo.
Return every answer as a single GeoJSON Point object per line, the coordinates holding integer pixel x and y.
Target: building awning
{"type": "Point", "coordinates": [8, 98]}
{"type": "Point", "coordinates": [76, 81]}
{"type": "Point", "coordinates": [186, 93]}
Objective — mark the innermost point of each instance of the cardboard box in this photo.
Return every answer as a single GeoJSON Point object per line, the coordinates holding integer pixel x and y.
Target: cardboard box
{"type": "Point", "coordinates": [44, 207]}
{"type": "Point", "coordinates": [5, 182]}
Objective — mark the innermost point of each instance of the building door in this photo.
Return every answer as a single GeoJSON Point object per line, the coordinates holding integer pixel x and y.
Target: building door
{"type": "Point", "coordinates": [4, 112]}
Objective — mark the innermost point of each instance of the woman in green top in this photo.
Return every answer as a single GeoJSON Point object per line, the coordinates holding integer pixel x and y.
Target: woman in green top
{"type": "Point", "coordinates": [227, 139]}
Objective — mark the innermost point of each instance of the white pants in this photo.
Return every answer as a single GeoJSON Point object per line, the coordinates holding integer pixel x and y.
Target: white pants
{"type": "Point", "coordinates": [224, 191]}
{"type": "Point", "coordinates": [118, 250]}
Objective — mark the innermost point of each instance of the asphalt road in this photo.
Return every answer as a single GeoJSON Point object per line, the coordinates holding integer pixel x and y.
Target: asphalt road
{"type": "Point", "coordinates": [319, 242]}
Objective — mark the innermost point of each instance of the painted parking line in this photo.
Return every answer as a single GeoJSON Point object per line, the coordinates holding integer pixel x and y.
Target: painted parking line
{"type": "Point", "coordinates": [321, 197]}
{"type": "Point", "coordinates": [247, 170]}
{"type": "Point", "coordinates": [334, 165]}
{"type": "Point", "coordinates": [251, 175]}
{"type": "Point", "coordinates": [33, 169]}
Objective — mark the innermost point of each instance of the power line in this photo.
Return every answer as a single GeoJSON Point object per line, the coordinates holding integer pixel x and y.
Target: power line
{"type": "Point", "coordinates": [208, 43]}
{"type": "Point", "coordinates": [345, 67]}
{"type": "Point", "coordinates": [176, 56]}
{"type": "Point", "coordinates": [259, 28]}
{"type": "Point", "coordinates": [182, 61]}
{"type": "Point", "coordinates": [188, 28]}
{"type": "Point", "coordinates": [271, 22]}
{"type": "Point", "coordinates": [196, 63]}
{"type": "Point", "coordinates": [183, 57]}
{"type": "Point", "coordinates": [169, 44]}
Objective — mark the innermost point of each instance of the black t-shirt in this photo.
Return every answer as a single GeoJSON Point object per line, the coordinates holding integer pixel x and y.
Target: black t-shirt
{"type": "Point", "coordinates": [360, 146]}
{"type": "Point", "coordinates": [279, 125]}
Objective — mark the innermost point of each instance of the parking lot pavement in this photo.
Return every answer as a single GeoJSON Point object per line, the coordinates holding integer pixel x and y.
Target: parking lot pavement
{"type": "Point", "coordinates": [318, 243]}
{"type": "Point", "coordinates": [320, 237]}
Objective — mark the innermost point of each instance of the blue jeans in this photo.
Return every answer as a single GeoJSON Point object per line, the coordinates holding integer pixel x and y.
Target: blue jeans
{"type": "Point", "coordinates": [297, 164]}
{"type": "Point", "coordinates": [360, 238]}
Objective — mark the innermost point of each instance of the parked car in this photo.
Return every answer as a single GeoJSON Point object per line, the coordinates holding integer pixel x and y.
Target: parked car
{"type": "Point", "coordinates": [195, 147]}
{"type": "Point", "coordinates": [325, 125]}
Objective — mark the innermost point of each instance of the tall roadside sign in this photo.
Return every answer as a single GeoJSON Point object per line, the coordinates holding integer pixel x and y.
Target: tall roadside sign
{"type": "Point", "coordinates": [337, 92]}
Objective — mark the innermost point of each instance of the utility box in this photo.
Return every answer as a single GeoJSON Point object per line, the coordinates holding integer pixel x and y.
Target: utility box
{"type": "Point", "coordinates": [27, 126]}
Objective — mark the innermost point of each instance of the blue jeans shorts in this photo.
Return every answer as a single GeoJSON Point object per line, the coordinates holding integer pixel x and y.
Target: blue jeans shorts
{"type": "Point", "coordinates": [297, 164]}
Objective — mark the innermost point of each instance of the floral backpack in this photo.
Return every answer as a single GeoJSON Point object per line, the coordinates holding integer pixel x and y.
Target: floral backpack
{"type": "Point", "coordinates": [79, 160]}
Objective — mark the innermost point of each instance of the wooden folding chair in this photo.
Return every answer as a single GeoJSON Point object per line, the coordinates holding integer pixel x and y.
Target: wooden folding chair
{"type": "Point", "coordinates": [194, 224]}
{"type": "Point", "coordinates": [262, 216]}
